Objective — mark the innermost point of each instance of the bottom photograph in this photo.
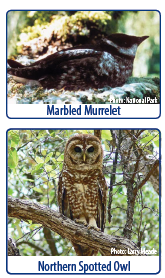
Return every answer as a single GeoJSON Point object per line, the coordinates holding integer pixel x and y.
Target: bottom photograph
{"type": "Point", "coordinates": [83, 193]}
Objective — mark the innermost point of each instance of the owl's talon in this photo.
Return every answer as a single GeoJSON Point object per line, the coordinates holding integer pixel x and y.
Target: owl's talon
{"type": "Point", "coordinates": [80, 221]}
{"type": "Point", "coordinates": [95, 228]}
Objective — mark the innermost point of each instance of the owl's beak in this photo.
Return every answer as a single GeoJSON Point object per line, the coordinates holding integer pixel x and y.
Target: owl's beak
{"type": "Point", "coordinates": [84, 157]}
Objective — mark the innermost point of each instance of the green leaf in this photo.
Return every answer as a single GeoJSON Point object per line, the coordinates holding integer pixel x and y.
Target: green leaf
{"type": "Point", "coordinates": [120, 190]}
{"type": "Point", "coordinates": [60, 166]}
{"type": "Point", "coordinates": [54, 161]}
{"type": "Point", "coordinates": [37, 190]}
{"type": "Point", "coordinates": [39, 159]}
{"type": "Point", "coordinates": [39, 166]}
{"type": "Point", "coordinates": [48, 157]}
{"type": "Point", "coordinates": [10, 191]}
{"type": "Point", "coordinates": [14, 138]}
{"type": "Point", "coordinates": [52, 133]}
{"type": "Point", "coordinates": [106, 145]}
{"type": "Point", "coordinates": [30, 180]}
{"type": "Point", "coordinates": [60, 158]}
{"type": "Point", "coordinates": [49, 168]}
{"type": "Point", "coordinates": [58, 153]}
{"type": "Point", "coordinates": [37, 169]}
{"type": "Point", "coordinates": [41, 134]}
{"type": "Point", "coordinates": [13, 159]}
{"type": "Point", "coordinates": [156, 142]}
{"type": "Point", "coordinates": [33, 226]}
{"type": "Point", "coordinates": [43, 152]}
{"type": "Point", "coordinates": [147, 139]}
{"type": "Point", "coordinates": [106, 135]}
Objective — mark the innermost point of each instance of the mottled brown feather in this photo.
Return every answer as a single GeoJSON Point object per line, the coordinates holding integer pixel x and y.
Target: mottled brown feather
{"type": "Point", "coordinates": [82, 186]}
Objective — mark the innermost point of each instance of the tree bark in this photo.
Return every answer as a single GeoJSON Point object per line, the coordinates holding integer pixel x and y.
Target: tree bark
{"type": "Point", "coordinates": [12, 249]}
{"type": "Point", "coordinates": [28, 210]}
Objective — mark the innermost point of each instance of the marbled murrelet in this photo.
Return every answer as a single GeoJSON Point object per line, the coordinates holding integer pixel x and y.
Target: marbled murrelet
{"type": "Point", "coordinates": [109, 63]}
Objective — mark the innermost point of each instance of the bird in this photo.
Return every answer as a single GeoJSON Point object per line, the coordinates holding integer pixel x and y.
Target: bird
{"type": "Point", "coordinates": [108, 62]}
{"type": "Point", "coordinates": [82, 187]}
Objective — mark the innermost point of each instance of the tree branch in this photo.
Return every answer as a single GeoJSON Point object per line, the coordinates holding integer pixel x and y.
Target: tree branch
{"type": "Point", "coordinates": [50, 241]}
{"type": "Point", "coordinates": [34, 246]}
{"type": "Point", "coordinates": [155, 165]}
{"type": "Point", "coordinates": [28, 210]}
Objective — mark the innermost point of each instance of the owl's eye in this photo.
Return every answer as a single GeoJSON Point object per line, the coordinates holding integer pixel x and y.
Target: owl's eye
{"type": "Point", "coordinates": [77, 149]}
{"type": "Point", "coordinates": [90, 150]}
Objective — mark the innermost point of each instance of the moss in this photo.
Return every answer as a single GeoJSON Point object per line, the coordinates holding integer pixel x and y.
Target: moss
{"type": "Point", "coordinates": [156, 80]}
{"type": "Point", "coordinates": [100, 19]}
{"type": "Point", "coordinates": [138, 88]}
{"type": "Point", "coordinates": [64, 27]}
{"type": "Point", "coordinates": [40, 17]}
{"type": "Point", "coordinates": [150, 87]}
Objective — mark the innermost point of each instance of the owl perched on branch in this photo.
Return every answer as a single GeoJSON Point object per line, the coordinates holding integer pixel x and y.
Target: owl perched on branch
{"type": "Point", "coordinates": [82, 187]}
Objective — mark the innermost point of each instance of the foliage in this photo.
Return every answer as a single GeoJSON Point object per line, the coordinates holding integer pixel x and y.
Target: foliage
{"type": "Point", "coordinates": [15, 22]}
{"type": "Point", "coordinates": [65, 25]}
{"type": "Point", "coordinates": [35, 158]}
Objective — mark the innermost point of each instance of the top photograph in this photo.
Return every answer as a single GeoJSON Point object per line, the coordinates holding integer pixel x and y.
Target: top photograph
{"type": "Point", "coordinates": [83, 57]}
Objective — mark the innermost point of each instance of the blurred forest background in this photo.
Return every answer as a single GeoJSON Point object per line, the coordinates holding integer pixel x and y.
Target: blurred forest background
{"type": "Point", "coordinates": [35, 159]}
{"type": "Point", "coordinates": [34, 34]}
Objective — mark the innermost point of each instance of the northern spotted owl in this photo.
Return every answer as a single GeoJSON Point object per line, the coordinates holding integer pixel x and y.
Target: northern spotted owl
{"type": "Point", "coordinates": [109, 62]}
{"type": "Point", "coordinates": [82, 187]}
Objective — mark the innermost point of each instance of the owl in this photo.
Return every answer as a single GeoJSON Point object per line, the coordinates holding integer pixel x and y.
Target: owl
{"type": "Point", "coordinates": [82, 187]}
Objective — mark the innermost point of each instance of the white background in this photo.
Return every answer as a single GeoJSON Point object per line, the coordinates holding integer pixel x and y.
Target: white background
{"type": "Point", "coordinates": [125, 111]}
{"type": "Point", "coordinates": [137, 264]}
{"type": "Point", "coordinates": [24, 123]}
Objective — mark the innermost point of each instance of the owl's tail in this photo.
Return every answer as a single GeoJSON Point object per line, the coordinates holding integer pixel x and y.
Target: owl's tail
{"type": "Point", "coordinates": [84, 251]}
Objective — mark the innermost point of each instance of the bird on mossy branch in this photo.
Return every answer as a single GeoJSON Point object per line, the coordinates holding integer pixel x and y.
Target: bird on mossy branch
{"type": "Point", "coordinates": [107, 63]}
